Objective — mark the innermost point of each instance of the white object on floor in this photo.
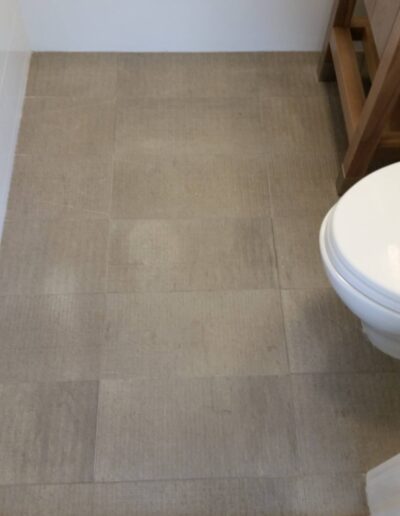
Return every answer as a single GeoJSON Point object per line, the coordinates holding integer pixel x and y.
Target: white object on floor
{"type": "Point", "coordinates": [383, 488]}
{"type": "Point", "coordinates": [360, 249]}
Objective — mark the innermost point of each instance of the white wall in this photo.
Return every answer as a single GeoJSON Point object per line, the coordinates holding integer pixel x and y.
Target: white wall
{"type": "Point", "coordinates": [176, 25]}
{"type": "Point", "coordinates": [14, 63]}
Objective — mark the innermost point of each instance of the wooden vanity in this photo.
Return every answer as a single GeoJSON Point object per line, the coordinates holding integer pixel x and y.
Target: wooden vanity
{"type": "Point", "coordinates": [372, 118]}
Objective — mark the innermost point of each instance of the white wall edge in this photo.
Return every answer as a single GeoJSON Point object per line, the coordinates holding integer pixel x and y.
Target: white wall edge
{"type": "Point", "coordinates": [14, 131]}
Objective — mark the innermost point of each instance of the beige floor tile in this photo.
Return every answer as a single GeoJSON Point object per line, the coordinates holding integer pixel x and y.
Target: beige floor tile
{"type": "Point", "coordinates": [174, 255]}
{"type": "Point", "coordinates": [194, 334]}
{"type": "Point", "coordinates": [297, 249]}
{"type": "Point", "coordinates": [302, 183]}
{"type": "Point", "coordinates": [219, 75]}
{"type": "Point", "coordinates": [60, 188]}
{"type": "Point", "coordinates": [194, 428]}
{"type": "Point", "coordinates": [293, 125]}
{"type": "Point", "coordinates": [52, 257]}
{"type": "Point", "coordinates": [228, 497]}
{"type": "Point", "coordinates": [333, 495]}
{"type": "Point", "coordinates": [324, 336]}
{"type": "Point", "coordinates": [57, 74]}
{"type": "Point", "coordinates": [47, 500]}
{"type": "Point", "coordinates": [156, 187]}
{"type": "Point", "coordinates": [58, 127]}
{"type": "Point", "coordinates": [202, 126]}
{"type": "Point", "coordinates": [47, 432]}
{"type": "Point", "coordinates": [346, 422]}
{"type": "Point", "coordinates": [56, 337]}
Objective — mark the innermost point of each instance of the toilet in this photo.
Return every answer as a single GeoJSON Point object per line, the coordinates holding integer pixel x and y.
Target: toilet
{"type": "Point", "coordinates": [360, 249]}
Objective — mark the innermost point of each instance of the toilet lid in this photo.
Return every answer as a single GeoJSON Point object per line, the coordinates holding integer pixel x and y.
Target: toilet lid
{"type": "Point", "coordinates": [366, 231]}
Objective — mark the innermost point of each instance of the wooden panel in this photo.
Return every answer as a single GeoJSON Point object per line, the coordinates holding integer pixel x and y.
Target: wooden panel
{"type": "Point", "coordinates": [341, 15]}
{"type": "Point", "coordinates": [379, 105]}
{"type": "Point", "coordinates": [348, 77]}
{"type": "Point", "coordinates": [382, 14]}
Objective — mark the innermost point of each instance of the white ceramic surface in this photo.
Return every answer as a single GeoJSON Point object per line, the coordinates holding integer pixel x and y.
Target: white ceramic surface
{"type": "Point", "coordinates": [365, 230]}
{"type": "Point", "coordinates": [379, 312]}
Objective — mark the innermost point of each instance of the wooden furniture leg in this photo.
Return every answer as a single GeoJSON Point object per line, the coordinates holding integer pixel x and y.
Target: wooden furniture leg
{"type": "Point", "coordinates": [341, 17]}
{"type": "Point", "coordinates": [379, 105]}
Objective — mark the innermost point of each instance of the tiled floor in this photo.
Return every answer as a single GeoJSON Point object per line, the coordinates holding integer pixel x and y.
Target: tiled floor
{"type": "Point", "coordinates": [169, 344]}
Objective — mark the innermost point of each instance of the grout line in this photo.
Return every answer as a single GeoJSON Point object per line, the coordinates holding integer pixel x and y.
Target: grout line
{"type": "Point", "coordinates": [191, 479]}
{"type": "Point", "coordinates": [187, 378]}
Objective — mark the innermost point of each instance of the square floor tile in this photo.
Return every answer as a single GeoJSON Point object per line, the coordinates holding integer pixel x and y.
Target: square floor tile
{"type": "Point", "coordinates": [302, 183]}
{"type": "Point", "coordinates": [57, 74]}
{"type": "Point", "coordinates": [288, 74]}
{"type": "Point", "coordinates": [67, 126]}
{"type": "Point", "coordinates": [51, 257]}
{"type": "Point", "coordinates": [346, 423]}
{"type": "Point", "coordinates": [194, 334]}
{"type": "Point", "coordinates": [195, 428]}
{"type": "Point", "coordinates": [297, 249]}
{"type": "Point", "coordinates": [190, 75]}
{"type": "Point", "coordinates": [201, 254]}
{"type": "Point", "coordinates": [293, 124]}
{"type": "Point", "coordinates": [47, 432]}
{"type": "Point", "coordinates": [230, 497]}
{"type": "Point", "coordinates": [242, 74]}
{"type": "Point", "coordinates": [331, 495]}
{"type": "Point", "coordinates": [324, 336]}
{"type": "Point", "coordinates": [60, 188]}
{"type": "Point", "coordinates": [190, 126]}
{"type": "Point", "coordinates": [46, 500]}
{"type": "Point", "coordinates": [158, 187]}
{"type": "Point", "coordinates": [53, 337]}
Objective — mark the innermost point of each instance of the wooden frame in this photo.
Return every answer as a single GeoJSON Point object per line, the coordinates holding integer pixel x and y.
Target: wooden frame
{"type": "Point", "coordinates": [371, 122]}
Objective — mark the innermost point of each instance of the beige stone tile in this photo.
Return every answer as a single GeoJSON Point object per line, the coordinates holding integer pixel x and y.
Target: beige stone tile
{"type": "Point", "coordinates": [60, 188]}
{"type": "Point", "coordinates": [47, 338]}
{"type": "Point", "coordinates": [51, 257]}
{"type": "Point", "coordinates": [58, 74]}
{"type": "Point", "coordinates": [47, 432]}
{"type": "Point", "coordinates": [194, 428]}
{"type": "Point", "coordinates": [230, 497]}
{"type": "Point", "coordinates": [324, 336]}
{"type": "Point", "coordinates": [194, 334]}
{"type": "Point", "coordinates": [66, 126]}
{"type": "Point", "coordinates": [287, 74]}
{"type": "Point", "coordinates": [297, 249]}
{"type": "Point", "coordinates": [346, 422]}
{"type": "Point", "coordinates": [47, 500]}
{"type": "Point", "coordinates": [219, 75]}
{"type": "Point", "coordinates": [331, 495]}
{"type": "Point", "coordinates": [198, 254]}
{"type": "Point", "coordinates": [189, 126]}
{"type": "Point", "coordinates": [302, 183]}
{"type": "Point", "coordinates": [156, 186]}
{"type": "Point", "coordinates": [328, 495]}
{"type": "Point", "coordinates": [293, 124]}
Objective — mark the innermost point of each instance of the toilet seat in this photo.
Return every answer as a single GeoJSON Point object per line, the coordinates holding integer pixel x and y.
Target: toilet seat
{"type": "Point", "coordinates": [362, 237]}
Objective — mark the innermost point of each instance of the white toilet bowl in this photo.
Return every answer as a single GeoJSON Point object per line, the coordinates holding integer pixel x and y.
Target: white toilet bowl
{"type": "Point", "coordinates": [360, 249]}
